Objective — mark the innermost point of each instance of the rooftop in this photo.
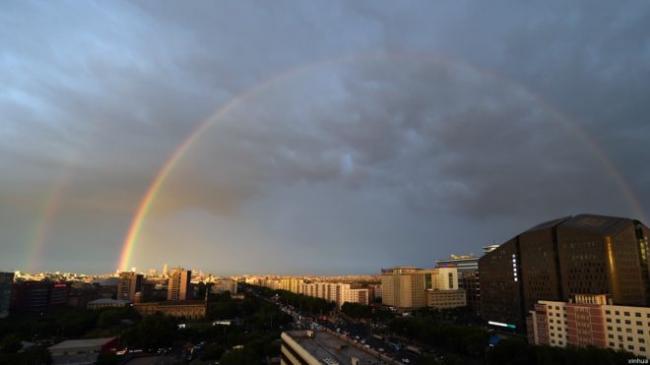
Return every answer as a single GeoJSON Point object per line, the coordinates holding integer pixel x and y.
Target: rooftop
{"type": "Point", "coordinates": [330, 349]}
{"type": "Point", "coordinates": [82, 343]}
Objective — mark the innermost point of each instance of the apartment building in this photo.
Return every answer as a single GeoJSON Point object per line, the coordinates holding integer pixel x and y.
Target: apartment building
{"type": "Point", "coordinates": [338, 293]}
{"type": "Point", "coordinates": [590, 320]}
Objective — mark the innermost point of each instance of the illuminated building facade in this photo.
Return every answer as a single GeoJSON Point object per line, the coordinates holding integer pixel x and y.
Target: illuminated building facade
{"type": "Point", "coordinates": [178, 287]}
{"type": "Point", "coordinates": [128, 285]}
{"type": "Point", "coordinates": [589, 320]}
{"type": "Point", "coordinates": [406, 287]}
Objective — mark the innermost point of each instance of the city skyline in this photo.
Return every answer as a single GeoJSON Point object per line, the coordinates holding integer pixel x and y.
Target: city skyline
{"type": "Point", "coordinates": [332, 138]}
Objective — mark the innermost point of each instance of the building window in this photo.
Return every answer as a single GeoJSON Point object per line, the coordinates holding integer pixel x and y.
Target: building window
{"type": "Point", "coordinates": [638, 314]}
{"type": "Point", "coordinates": [627, 314]}
{"type": "Point", "coordinates": [642, 349]}
{"type": "Point", "coordinates": [638, 323]}
{"type": "Point", "coordinates": [610, 335]}
{"type": "Point", "coordinates": [609, 328]}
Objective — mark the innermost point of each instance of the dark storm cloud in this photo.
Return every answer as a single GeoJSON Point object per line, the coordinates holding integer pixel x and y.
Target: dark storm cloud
{"type": "Point", "coordinates": [411, 123]}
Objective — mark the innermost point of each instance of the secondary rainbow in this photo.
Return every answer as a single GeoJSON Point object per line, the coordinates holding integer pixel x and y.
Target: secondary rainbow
{"type": "Point", "coordinates": [157, 183]}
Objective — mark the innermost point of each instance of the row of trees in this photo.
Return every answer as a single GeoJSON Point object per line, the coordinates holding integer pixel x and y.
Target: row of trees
{"type": "Point", "coordinates": [464, 340]}
{"type": "Point", "coordinates": [65, 323]}
{"type": "Point", "coordinates": [361, 311]}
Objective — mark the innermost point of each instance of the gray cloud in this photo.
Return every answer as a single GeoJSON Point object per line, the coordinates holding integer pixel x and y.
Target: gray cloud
{"type": "Point", "coordinates": [432, 128]}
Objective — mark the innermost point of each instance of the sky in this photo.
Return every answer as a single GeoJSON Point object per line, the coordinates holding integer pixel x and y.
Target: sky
{"type": "Point", "coordinates": [335, 136]}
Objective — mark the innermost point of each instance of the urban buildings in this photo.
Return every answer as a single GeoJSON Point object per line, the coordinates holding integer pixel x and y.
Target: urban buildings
{"type": "Point", "coordinates": [468, 277]}
{"type": "Point", "coordinates": [338, 293]}
{"type": "Point", "coordinates": [590, 320]}
{"type": "Point", "coordinates": [224, 285]}
{"type": "Point", "coordinates": [190, 309]}
{"type": "Point", "coordinates": [408, 287]}
{"type": "Point", "coordinates": [37, 296]}
{"type": "Point", "coordinates": [403, 287]}
{"type": "Point", "coordinates": [128, 285]}
{"type": "Point", "coordinates": [178, 287]}
{"type": "Point", "coordinates": [6, 283]}
{"type": "Point", "coordinates": [562, 258]}
{"type": "Point", "coordinates": [325, 348]}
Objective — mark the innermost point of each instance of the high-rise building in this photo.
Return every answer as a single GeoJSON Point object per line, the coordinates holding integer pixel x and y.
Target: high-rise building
{"type": "Point", "coordinates": [6, 282]}
{"type": "Point", "coordinates": [562, 258]}
{"type": "Point", "coordinates": [403, 287]}
{"type": "Point", "coordinates": [128, 285]}
{"type": "Point", "coordinates": [164, 270]}
{"type": "Point", "coordinates": [178, 287]}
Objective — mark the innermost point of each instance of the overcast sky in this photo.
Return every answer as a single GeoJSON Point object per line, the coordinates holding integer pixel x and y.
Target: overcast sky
{"type": "Point", "coordinates": [364, 134]}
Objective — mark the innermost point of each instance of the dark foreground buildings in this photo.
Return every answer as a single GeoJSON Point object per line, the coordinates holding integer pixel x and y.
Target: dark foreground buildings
{"type": "Point", "coordinates": [556, 260]}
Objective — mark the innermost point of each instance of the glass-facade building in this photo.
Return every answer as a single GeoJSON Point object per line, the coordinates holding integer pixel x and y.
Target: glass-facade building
{"type": "Point", "coordinates": [556, 260]}
{"type": "Point", "coordinates": [6, 282]}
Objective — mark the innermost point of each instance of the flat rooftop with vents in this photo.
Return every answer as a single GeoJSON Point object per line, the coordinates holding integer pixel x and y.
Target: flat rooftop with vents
{"type": "Point", "coordinates": [325, 348]}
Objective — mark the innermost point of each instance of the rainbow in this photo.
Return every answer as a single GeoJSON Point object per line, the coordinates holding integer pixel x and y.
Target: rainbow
{"type": "Point", "coordinates": [153, 190]}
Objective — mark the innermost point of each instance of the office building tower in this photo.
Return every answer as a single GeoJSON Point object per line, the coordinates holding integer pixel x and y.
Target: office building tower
{"type": "Point", "coordinates": [178, 287]}
{"type": "Point", "coordinates": [38, 296]}
{"type": "Point", "coordinates": [6, 283]}
{"type": "Point", "coordinates": [559, 259]}
{"type": "Point", "coordinates": [403, 287]}
{"type": "Point", "coordinates": [128, 285]}
{"type": "Point", "coordinates": [406, 287]}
